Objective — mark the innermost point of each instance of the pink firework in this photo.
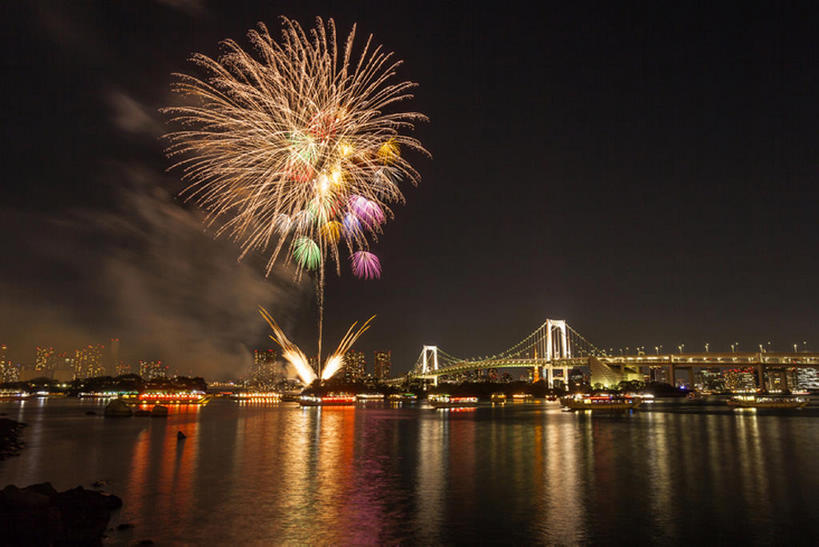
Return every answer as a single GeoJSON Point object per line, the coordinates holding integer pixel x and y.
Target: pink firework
{"type": "Point", "coordinates": [367, 210]}
{"type": "Point", "coordinates": [366, 265]}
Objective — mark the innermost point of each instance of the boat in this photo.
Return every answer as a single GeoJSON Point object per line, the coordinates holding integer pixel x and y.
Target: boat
{"type": "Point", "coordinates": [257, 396]}
{"type": "Point", "coordinates": [601, 402]}
{"type": "Point", "coordinates": [403, 397]}
{"type": "Point", "coordinates": [498, 397]}
{"type": "Point", "coordinates": [447, 401]}
{"type": "Point", "coordinates": [169, 397]}
{"type": "Point", "coordinates": [369, 397]}
{"type": "Point", "coordinates": [522, 397]}
{"type": "Point", "coordinates": [331, 399]}
{"type": "Point", "coordinates": [765, 401]}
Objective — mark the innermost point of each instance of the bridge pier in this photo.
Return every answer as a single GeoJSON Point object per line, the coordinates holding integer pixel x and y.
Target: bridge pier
{"type": "Point", "coordinates": [760, 373]}
{"type": "Point", "coordinates": [672, 373]}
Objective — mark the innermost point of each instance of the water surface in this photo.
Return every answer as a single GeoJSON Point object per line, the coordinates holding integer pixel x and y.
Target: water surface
{"type": "Point", "coordinates": [522, 473]}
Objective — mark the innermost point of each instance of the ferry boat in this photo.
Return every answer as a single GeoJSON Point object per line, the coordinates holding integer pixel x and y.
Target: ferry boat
{"type": "Point", "coordinates": [169, 397]}
{"type": "Point", "coordinates": [498, 397]}
{"type": "Point", "coordinates": [257, 397]}
{"type": "Point", "coordinates": [446, 401]}
{"type": "Point", "coordinates": [369, 397]}
{"type": "Point", "coordinates": [763, 401]}
{"type": "Point", "coordinates": [522, 397]}
{"type": "Point", "coordinates": [405, 397]}
{"type": "Point", "coordinates": [601, 402]}
{"type": "Point", "coordinates": [331, 399]}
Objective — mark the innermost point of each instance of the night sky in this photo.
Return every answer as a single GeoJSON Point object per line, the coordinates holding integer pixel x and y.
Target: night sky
{"type": "Point", "coordinates": [646, 172]}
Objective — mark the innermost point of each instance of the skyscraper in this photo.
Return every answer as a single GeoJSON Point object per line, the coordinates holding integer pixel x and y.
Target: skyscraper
{"type": "Point", "coordinates": [382, 362]}
{"type": "Point", "coordinates": [45, 361]}
{"type": "Point", "coordinates": [9, 372]}
{"type": "Point", "coordinates": [355, 366]}
{"type": "Point", "coordinates": [88, 362]}
{"type": "Point", "coordinates": [263, 369]}
{"type": "Point", "coordinates": [112, 360]}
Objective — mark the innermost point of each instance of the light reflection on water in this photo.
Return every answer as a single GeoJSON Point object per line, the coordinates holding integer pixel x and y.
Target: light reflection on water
{"type": "Point", "coordinates": [530, 473]}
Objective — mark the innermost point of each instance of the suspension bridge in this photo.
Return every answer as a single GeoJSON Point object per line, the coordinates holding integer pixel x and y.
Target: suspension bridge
{"type": "Point", "coordinates": [554, 348]}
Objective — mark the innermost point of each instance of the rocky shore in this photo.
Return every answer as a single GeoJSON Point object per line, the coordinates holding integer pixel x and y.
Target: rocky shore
{"type": "Point", "coordinates": [39, 515]}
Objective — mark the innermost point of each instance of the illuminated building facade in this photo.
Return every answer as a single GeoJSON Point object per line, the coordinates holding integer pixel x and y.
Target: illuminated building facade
{"type": "Point", "coordinates": [740, 380]}
{"type": "Point", "coordinates": [711, 380]}
{"type": "Point", "coordinates": [122, 368]}
{"type": "Point", "coordinates": [264, 367]}
{"type": "Point", "coordinates": [150, 370]}
{"type": "Point", "coordinates": [88, 362]}
{"type": "Point", "coordinates": [382, 361]}
{"type": "Point", "coordinates": [9, 372]}
{"type": "Point", "coordinates": [355, 366]}
{"type": "Point", "coordinates": [807, 378]}
{"type": "Point", "coordinates": [45, 361]}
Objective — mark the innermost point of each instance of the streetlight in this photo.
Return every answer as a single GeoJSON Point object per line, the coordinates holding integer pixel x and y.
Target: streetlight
{"type": "Point", "coordinates": [733, 347]}
{"type": "Point", "coordinates": [706, 347]}
{"type": "Point", "coordinates": [794, 348]}
{"type": "Point", "coordinates": [680, 347]}
{"type": "Point", "coordinates": [657, 350]}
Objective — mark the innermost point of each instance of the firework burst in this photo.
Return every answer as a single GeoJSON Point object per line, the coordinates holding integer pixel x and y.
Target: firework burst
{"type": "Point", "coordinates": [297, 144]}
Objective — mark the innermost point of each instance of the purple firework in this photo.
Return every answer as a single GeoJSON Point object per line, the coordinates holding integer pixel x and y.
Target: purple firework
{"type": "Point", "coordinates": [366, 265]}
{"type": "Point", "coordinates": [368, 211]}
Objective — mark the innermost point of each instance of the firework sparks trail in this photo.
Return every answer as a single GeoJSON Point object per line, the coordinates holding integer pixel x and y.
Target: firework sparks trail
{"type": "Point", "coordinates": [293, 355]}
{"type": "Point", "coordinates": [297, 147]}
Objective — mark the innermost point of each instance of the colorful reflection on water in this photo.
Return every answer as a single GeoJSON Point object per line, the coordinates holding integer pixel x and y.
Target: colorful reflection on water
{"type": "Point", "coordinates": [278, 473]}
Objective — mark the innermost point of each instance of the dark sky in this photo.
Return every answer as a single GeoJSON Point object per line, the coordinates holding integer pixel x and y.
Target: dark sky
{"type": "Point", "coordinates": [647, 172]}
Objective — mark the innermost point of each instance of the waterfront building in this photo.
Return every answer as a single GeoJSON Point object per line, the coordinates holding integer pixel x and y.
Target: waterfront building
{"type": "Point", "coordinates": [382, 361]}
{"type": "Point", "coordinates": [149, 370]}
{"type": "Point", "coordinates": [807, 378]}
{"type": "Point", "coordinates": [740, 380]}
{"type": "Point", "coordinates": [711, 380]}
{"type": "Point", "coordinates": [355, 366]}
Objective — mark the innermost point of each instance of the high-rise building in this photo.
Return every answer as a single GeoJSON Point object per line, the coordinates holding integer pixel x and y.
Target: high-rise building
{"type": "Point", "coordinates": [381, 362]}
{"type": "Point", "coordinates": [264, 367]}
{"type": "Point", "coordinates": [9, 372]}
{"type": "Point", "coordinates": [355, 366]}
{"type": "Point", "coordinates": [123, 368]}
{"type": "Point", "coordinates": [112, 359]}
{"type": "Point", "coordinates": [88, 362]}
{"type": "Point", "coordinates": [45, 361]}
{"type": "Point", "coordinates": [150, 370]}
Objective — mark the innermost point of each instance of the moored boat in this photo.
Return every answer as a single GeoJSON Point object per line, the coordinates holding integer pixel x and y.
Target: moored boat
{"type": "Point", "coordinates": [448, 401]}
{"type": "Point", "coordinates": [764, 401]}
{"type": "Point", "coordinates": [370, 397]}
{"type": "Point", "coordinates": [332, 399]}
{"type": "Point", "coordinates": [167, 397]}
{"type": "Point", "coordinates": [498, 397]}
{"type": "Point", "coordinates": [601, 402]}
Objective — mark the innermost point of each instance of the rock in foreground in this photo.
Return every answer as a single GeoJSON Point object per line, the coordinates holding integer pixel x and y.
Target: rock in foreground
{"type": "Point", "coordinates": [39, 515]}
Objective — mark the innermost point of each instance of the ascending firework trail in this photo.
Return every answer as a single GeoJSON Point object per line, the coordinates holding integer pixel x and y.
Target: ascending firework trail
{"type": "Point", "coordinates": [297, 146]}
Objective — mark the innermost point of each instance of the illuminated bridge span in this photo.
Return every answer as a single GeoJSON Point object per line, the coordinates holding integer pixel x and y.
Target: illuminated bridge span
{"type": "Point", "coordinates": [554, 348]}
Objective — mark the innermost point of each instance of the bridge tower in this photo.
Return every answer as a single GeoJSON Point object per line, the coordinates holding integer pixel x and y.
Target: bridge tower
{"type": "Point", "coordinates": [429, 360]}
{"type": "Point", "coordinates": [557, 347]}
